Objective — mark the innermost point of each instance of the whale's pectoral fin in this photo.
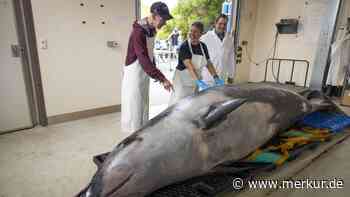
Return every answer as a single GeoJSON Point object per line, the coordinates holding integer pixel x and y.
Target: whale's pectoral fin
{"type": "Point", "coordinates": [216, 113]}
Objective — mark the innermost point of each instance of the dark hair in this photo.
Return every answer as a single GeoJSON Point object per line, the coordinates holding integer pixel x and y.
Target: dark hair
{"type": "Point", "coordinates": [199, 25]}
{"type": "Point", "coordinates": [221, 16]}
{"type": "Point", "coordinates": [161, 9]}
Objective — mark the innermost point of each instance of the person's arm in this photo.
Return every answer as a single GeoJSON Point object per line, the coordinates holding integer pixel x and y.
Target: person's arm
{"type": "Point", "coordinates": [211, 69]}
{"type": "Point", "coordinates": [140, 47]}
{"type": "Point", "coordinates": [210, 65]}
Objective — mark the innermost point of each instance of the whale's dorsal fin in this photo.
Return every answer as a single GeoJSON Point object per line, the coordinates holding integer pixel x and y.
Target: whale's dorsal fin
{"type": "Point", "coordinates": [217, 112]}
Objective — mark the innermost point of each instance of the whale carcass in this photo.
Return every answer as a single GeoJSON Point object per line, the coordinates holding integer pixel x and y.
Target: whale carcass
{"type": "Point", "coordinates": [197, 134]}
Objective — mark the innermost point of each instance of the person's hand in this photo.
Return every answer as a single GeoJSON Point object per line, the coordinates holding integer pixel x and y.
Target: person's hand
{"type": "Point", "coordinates": [201, 85]}
{"type": "Point", "coordinates": [219, 82]}
{"type": "Point", "coordinates": [167, 85]}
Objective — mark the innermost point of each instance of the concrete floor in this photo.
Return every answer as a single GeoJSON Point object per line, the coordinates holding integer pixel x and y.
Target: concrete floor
{"type": "Point", "coordinates": [55, 161]}
{"type": "Point", "coordinates": [333, 164]}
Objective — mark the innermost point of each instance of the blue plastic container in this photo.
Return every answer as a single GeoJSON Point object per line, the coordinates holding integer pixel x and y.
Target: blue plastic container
{"type": "Point", "coordinates": [332, 121]}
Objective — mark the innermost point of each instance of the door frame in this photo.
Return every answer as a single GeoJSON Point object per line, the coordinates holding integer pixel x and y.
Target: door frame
{"type": "Point", "coordinates": [30, 61]}
{"type": "Point", "coordinates": [137, 9]}
{"type": "Point", "coordinates": [40, 116]}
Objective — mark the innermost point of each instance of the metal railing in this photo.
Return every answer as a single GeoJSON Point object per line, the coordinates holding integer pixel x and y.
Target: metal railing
{"type": "Point", "coordinates": [292, 61]}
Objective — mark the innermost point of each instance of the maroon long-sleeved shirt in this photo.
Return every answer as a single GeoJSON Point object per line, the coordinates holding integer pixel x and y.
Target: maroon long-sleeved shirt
{"type": "Point", "coordinates": [137, 50]}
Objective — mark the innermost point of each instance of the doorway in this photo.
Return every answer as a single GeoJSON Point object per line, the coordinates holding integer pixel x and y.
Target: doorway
{"type": "Point", "coordinates": [171, 36]}
{"type": "Point", "coordinates": [20, 94]}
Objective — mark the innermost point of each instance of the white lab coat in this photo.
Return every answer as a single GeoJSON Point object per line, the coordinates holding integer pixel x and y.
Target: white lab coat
{"type": "Point", "coordinates": [340, 59]}
{"type": "Point", "coordinates": [222, 55]}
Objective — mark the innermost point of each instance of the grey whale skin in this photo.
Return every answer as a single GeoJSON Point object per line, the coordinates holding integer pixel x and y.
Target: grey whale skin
{"type": "Point", "coordinates": [197, 134]}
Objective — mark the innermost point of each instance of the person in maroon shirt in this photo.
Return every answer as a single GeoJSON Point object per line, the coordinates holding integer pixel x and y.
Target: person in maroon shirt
{"type": "Point", "coordinates": [140, 67]}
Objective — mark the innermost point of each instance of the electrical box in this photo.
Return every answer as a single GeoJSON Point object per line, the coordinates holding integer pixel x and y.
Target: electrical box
{"type": "Point", "coordinates": [288, 26]}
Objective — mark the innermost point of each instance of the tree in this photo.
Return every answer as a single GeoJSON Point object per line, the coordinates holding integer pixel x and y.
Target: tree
{"type": "Point", "coordinates": [144, 9]}
{"type": "Point", "coordinates": [188, 11]}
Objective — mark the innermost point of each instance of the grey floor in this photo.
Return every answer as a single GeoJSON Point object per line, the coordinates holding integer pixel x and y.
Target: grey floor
{"type": "Point", "coordinates": [55, 161]}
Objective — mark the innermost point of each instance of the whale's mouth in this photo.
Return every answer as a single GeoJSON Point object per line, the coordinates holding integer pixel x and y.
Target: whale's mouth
{"type": "Point", "coordinates": [120, 185]}
{"type": "Point", "coordinates": [84, 192]}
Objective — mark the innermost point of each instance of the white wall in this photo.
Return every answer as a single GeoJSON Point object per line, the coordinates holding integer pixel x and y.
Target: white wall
{"type": "Point", "coordinates": [79, 71]}
{"type": "Point", "coordinates": [300, 46]}
{"type": "Point", "coordinates": [247, 32]}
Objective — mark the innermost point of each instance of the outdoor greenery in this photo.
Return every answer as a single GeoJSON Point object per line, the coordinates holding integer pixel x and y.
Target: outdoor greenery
{"type": "Point", "coordinates": [188, 11]}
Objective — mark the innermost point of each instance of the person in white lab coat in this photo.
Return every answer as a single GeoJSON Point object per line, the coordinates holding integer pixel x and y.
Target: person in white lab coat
{"type": "Point", "coordinates": [139, 67]}
{"type": "Point", "coordinates": [221, 50]}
